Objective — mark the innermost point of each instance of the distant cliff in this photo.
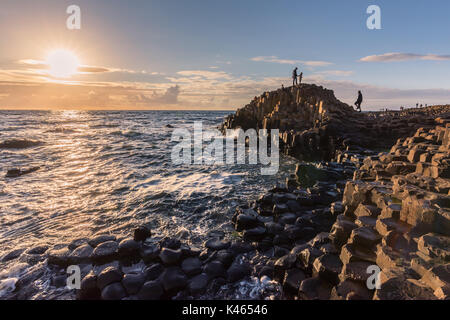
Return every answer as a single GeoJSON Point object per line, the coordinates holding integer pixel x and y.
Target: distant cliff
{"type": "Point", "coordinates": [315, 125]}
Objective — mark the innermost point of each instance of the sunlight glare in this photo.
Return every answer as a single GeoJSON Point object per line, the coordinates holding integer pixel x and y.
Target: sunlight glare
{"type": "Point", "coordinates": [62, 64]}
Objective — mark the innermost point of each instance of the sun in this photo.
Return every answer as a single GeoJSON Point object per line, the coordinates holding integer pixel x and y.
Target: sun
{"type": "Point", "coordinates": [62, 64]}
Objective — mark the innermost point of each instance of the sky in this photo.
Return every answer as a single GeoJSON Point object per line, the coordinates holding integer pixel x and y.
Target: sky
{"type": "Point", "coordinates": [218, 55]}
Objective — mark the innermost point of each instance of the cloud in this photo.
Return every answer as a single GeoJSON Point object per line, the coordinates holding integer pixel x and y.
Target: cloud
{"type": "Point", "coordinates": [397, 56]}
{"type": "Point", "coordinates": [338, 73]}
{"type": "Point", "coordinates": [32, 64]}
{"type": "Point", "coordinates": [92, 69]}
{"type": "Point", "coordinates": [18, 95]}
{"type": "Point", "coordinates": [170, 96]}
{"type": "Point", "coordinates": [206, 74]}
{"type": "Point", "coordinates": [275, 59]}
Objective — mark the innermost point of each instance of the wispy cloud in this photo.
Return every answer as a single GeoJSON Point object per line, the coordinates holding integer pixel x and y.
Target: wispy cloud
{"type": "Point", "coordinates": [32, 64]}
{"type": "Point", "coordinates": [275, 59]}
{"type": "Point", "coordinates": [93, 69]}
{"type": "Point", "coordinates": [206, 74]}
{"type": "Point", "coordinates": [337, 73]}
{"type": "Point", "coordinates": [397, 56]}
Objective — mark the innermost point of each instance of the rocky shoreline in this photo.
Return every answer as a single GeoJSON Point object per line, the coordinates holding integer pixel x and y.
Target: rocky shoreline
{"type": "Point", "coordinates": [313, 236]}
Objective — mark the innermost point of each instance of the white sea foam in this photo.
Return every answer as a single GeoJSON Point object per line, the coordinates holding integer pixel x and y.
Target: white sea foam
{"type": "Point", "coordinates": [10, 276]}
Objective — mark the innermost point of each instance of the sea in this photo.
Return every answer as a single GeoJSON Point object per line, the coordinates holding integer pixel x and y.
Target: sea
{"type": "Point", "coordinates": [106, 172]}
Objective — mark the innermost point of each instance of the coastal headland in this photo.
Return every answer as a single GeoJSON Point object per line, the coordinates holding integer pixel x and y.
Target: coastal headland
{"type": "Point", "coordinates": [364, 216]}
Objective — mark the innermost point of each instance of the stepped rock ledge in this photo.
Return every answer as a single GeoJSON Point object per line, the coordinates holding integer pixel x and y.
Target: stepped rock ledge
{"type": "Point", "coordinates": [314, 125]}
{"type": "Point", "coordinates": [328, 227]}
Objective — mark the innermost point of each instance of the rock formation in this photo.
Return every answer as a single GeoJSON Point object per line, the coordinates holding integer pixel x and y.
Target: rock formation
{"type": "Point", "coordinates": [394, 218]}
{"type": "Point", "coordinates": [314, 125]}
{"type": "Point", "coordinates": [321, 235]}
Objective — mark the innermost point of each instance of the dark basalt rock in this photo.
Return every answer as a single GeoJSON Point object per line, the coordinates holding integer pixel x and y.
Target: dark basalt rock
{"type": "Point", "coordinates": [350, 290]}
{"type": "Point", "coordinates": [266, 199]}
{"type": "Point", "coordinates": [280, 252]}
{"type": "Point", "coordinates": [217, 244]}
{"type": "Point", "coordinates": [108, 276]}
{"type": "Point", "coordinates": [14, 173]}
{"type": "Point", "coordinates": [328, 267]}
{"type": "Point", "coordinates": [244, 222]}
{"type": "Point", "coordinates": [114, 291]}
{"type": "Point", "coordinates": [292, 280]}
{"type": "Point", "coordinates": [197, 285]}
{"type": "Point", "coordinates": [314, 289]}
{"type": "Point", "coordinates": [77, 243]}
{"type": "Point", "coordinates": [151, 290]}
{"type": "Point", "coordinates": [285, 262]}
{"type": "Point", "coordinates": [225, 256]}
{"type": "Point", "coordinates": [287, 218]}
{"type": "Point", "coordinates": [293, 206]}
{"type": "Point", "coordinates": [88, 288]}
{"type": "Point", "coordinates": [19, 144]}
{"type": "Point", "coordinates": [149, 253]}
{"type": "Point", "coordinates": [105, 251]}
{"type": "Point", "coordinates": [237, 271]}
{"type": "Point", "coordinates": [294, 232]}
{"type": "Point", "coordinates": [128, 248]}
{"type": "Point", "coordinates": [187, 252]}
{"type": "Point", "coordinates": [59, 256]}
{"type": "Point", "coordinates": [100, 239]}
{"type": "Point", "coordinates": [308, 233]}
{"type": "Point", "coordinates": [254, 234]}
{"type": "Point", "coordinates": [191, 266]}
{"type": "Point", "coordinates": [215, 269]}
{"type": "Point", "coordinates": [154, 271]}
{"type": "Point", "coordinates": [133, 282]}
{"type": "Point", "coordinates": [280, 209]}
{"type": "Point", "coordinates": [81, 254]}
{"type": "Point", "coordinates": [173, 280]}
{"type": "Point", "coordinates": [141, 233]}
{"type": "Point", "coordinates": [37, 250]}
{"type": "Point", "coordinates": [170, 256]}
{"type": "Point", "coordinates": [266, 271]}
{"type": "Point", "coordinates": [281, 239]}
{"type": "Point", "coordinates": [308, 255]}
{"type": "Point", "coordinates": [274, 228]}
{"type": "Point", "coordinates": [12, 255]}
{"type": "Point", "coordinates": [59, 281]}
{"type": "Point", "coordinates": [170, 243]}
{"type": "Point", "coordinates": [240, 247]}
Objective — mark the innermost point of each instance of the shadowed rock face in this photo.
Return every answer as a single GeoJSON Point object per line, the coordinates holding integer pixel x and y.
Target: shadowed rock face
{"type": "Point", "coordinates": [314, 125]}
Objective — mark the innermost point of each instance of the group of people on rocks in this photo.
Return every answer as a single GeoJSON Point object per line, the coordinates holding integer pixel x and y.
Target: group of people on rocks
{"type": "Point", "coordinates": [295, 77]}
{"type": "Point", "coordinates": [297, 80]}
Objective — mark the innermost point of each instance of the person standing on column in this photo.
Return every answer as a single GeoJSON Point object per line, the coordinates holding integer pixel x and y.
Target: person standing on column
{"type": "Point", "coordinates": [294, 77]}
{"type": "Point", "coordinates": [359, 101]}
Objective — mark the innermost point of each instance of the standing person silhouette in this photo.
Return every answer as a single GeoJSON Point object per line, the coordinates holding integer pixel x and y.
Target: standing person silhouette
{"type": "Point", "coordinates": [294, 77]}
{"type": "Point", "coordinates": [359, 101]}
{"type": "Point", "coordinates": [300, 77]}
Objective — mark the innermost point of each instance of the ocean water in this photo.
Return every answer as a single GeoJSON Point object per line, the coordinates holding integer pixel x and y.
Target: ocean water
{"type": "Point", "coordinates": [107, 172]}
